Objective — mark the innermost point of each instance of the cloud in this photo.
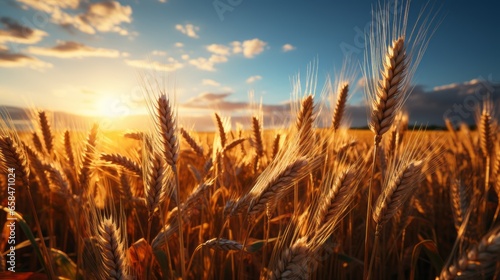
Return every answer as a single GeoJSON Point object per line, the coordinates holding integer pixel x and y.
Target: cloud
{"type": "Point", "coordinates": [236, 47]}
{"type": "Point", "coordinates": [188, 29]}
{"type": "Point", "coordinates": [11, 60]}
{"type": "Point", "coordinates": [106, 16]}
{"type": "Point", "coordinates": [172, 64]}
{"type": "Point", "coordinates": [253, 47]}
{"type": "Point", "coordinates": [218, 49]}
{"type": "Point", "coordinates": [287, 48]}
{"type": "Point", "coordinates": [205, 64]}
{"type": "Point", "coordinates": [103, 16]}
{"type": "Point", "coordinates": [457, 102]}
{"type": "Point", "coordinates": [48, 6]}
{"type": "Point", "coordinates": [179, 44]}
{"type": "Point", "coordinates": [253, 79]}
{"type": "Point", "coordinates": [211, 101]}
{"type": "Point", "coordinates": [70, 49]}
{"type": "Point", "coordinates": [185, 56]}
{"type": "Point", "coordinates": [209, 82]}
{"type": "Point", "coordinates": [159, 53]}
{"type": "Point", "coordinates": [17, 33]}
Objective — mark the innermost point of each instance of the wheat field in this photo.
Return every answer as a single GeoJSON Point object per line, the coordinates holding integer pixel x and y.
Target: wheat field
{"type": "Point", "coordinates": [295, 202]}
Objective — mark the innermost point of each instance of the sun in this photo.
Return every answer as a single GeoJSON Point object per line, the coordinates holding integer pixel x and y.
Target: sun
{"type": "Point", "coordinates": [110, 107]}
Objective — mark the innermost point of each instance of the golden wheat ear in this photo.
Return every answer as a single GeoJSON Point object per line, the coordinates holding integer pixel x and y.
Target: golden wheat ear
{"type": "Point", "coordinates": [479, 261]}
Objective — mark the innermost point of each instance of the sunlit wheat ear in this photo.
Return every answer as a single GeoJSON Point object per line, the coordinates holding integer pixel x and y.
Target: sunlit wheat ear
{"type": "Point", "coordinates": [108, 230]}
{"type": "Point", "coordinates": [88, 157]}
{"type": "Point", "coordinates": [59, 181]}
{"type": "Point", "coordinates": [37, 142]}
{"type": "Point", "coordinates": [48, 138]}
{"type": "Point", "coordinates": [68, 148]}
{"type": "Point", "coordinates": [340, 105]}
{"type": "Point", "coordinates": [136, 135]}
{"type": "Point", "coordinates": [486, 129]}
{"type": "Point", "coordinates": [220, 129]}
{"type": "Point", "coordinates": [257, 137]}
{"type": "Point", "coordinates": [167, 126]}
{"type": "Point", "coordinates": [478, 262]}
{"type": "Point", "coordinates": [223, 244]}
{"type": "Point", "coordinates": [113, 250]}
{"type": "Point", "coordinates": [293, 262]}
{"type": "Point", "coordinates": [37, 167]}
{"type": "Point", "coordinates": [197, 148]}
{"type": "Point", "coordinates": [155, 181]}
{"type": "Point", "coordinates": [14, 157]}
{"type": "Point", "coordinates": [305, 120]}
{"type": "Point", "coordinates": [231, 145]}
{"type": "Point", "coordinates": [390, 90]}
{"type": "Point", "coordinates": [398, 190]}
{"type": "Point", "coordinates": [335, 197]}
{"type": "Point", "coordinates": [274, 188]}
{"type": "Point", "coordinates": [123, 161]}
{"type": "Point", "coordinates": [460, 201]}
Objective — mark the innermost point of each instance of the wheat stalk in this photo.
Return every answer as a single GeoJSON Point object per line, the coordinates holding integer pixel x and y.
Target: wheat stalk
{"type": "Point", "coordinates": [336, 196]}
{"type": "Point", "coordinates": [390, 90]}
{"type": "Point", "coordinates": [48, 138]}
{"type": "Point", "coordinates": [257, 137]}
{"type": "Point", "coordinates": [88, 157]}
{"type": "Point", "coordinates": [167, 128]}
{"type": "Point", "coordinates": [292, 263]}
{"type": "Point", "coordinates": [37, 142]}
{"type": "Point", "coordinates": [136, 135]}
{"type": "Point", "coordinates": [275, 187]}
{"type": "Point", "coordinates": [68, 148]}
{"type": "Point", "coordinates": [338, 112]}
{"type": "Point", "coordinates": [479, 261]}
{"type": "Point", "coordinates": [123, 161]}
{"type": "Point", "coordinates": [14, 157]}
{"type": "Point", "coordinates": [155, 182]}
{"type": "Point", "coordinates": [223, 244]}
{"type": "Point", "coordinates": [398, 190]}
{"type": "Point", "coordinates": [305, 120]}
{"type": "Point", "coordinates": [198, 149]}
{"type": "Point", "coordinates": [220, 127]}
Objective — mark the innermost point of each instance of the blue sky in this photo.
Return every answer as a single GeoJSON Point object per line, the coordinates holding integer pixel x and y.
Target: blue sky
{"type": "Point", "coordinates": [89, 57]}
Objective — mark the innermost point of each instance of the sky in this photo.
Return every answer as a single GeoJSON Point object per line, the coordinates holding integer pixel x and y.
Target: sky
{"type": "Point", "coordinates": [94, 57]}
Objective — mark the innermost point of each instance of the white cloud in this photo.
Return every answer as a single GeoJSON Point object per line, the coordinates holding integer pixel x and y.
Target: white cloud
{"type": "Point", "coordinates": [209, 82]}
{"type": "Point", "coordinates": [253, 79]}
{"type": "Point", "coordinates": [236, 47]}
{"type": "Point", "coordinates": [103, 16]}
{"type": "Point", "coordinates": [185, 56]}
{"type": "Point", "coordinates": [202, 64]}
{"type": "Point", "coordinates": [49, 5]}
{"type": "Point", "coordinates": [205, 64]}
{"type": "Point", "coordinates": [179, 44]}
{"type": "Point", "coordinates": [159, 53]}
{"type": "Point", "coordinates": [172, 64]}
{"type": "Point", "coordinates": [218, 49]}
{"type": "Point", "coordinates": [70, 49]}
{"type": "Point", "coordinates": [107, 16]}
{"type": "Point", "coordinates": [287, 48]}
{"type": "Point", "coordinates": [188, 29]}
{"type": "Point", "coordinates": [11, 60]}
{"type": "Point", "coordinates": [17, 33]}
{"type": "Point", "coordinates": [253, 47]}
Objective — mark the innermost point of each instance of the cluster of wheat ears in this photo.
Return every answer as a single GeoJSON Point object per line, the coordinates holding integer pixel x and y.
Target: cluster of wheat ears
{"type": "Point", "coordinates": [290, 203]}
